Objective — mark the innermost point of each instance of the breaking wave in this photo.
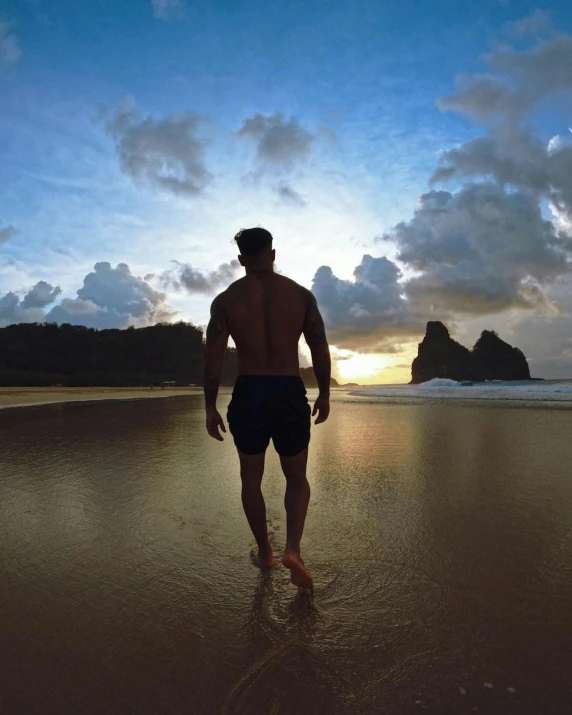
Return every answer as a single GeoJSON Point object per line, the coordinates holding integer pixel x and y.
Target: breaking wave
{"type": "Point", "coordinates": [442, 388]}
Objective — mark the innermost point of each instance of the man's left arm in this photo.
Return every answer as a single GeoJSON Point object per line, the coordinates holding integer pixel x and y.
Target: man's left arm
{"type": "Point", "coordinates": [216, 343]}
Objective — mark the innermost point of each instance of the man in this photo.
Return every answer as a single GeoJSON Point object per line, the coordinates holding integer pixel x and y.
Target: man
{"type": "Point", "coordinates": [266, 313]}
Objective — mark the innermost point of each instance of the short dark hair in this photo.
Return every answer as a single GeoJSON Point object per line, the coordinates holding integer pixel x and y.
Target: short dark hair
{"type": "Point", "coordinates": [252, 240]}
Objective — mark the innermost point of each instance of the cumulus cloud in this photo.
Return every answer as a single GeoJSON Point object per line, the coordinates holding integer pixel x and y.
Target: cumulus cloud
{"type": "Point", "coordinates": [368, 313]}
{"type": "Point", "coordinates": [167, 9]}
{"type": "Point", "coordinates": [30, 308]}
{"type": "Point", "coordinates": [10, 52]}
{"type": "Point", "coordinates": [6, 233]}
{"type": "Point", "coordinates": [184, 277]}
{"type": "Point", "coordinates": [109, 298]}
{"type": "Point", "coordinates": [481, 250]}
{"type": "Point", "coordinates": [489, 246]}
{"type": "Point", "coordinates": [113, 298]}
{"type": "Point", "coordinates": [514, 158]}
{"type": "Point", "coordinates": [41, 295]}
{"type": "Point", "coordinates": [165, 152]}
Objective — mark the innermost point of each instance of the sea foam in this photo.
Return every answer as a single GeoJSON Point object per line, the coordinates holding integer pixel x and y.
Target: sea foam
{"type": "Point", "coordinates": [442, 388]}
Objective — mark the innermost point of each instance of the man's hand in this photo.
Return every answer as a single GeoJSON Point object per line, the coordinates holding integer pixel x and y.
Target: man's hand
{"type": "Point", "coordinates": [214, 421]}
{"type": "Point", "coordinates": [321, 408]}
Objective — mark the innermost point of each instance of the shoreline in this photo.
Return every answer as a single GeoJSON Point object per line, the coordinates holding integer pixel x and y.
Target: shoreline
{"type": "Point", "coordinates": [12, 397]}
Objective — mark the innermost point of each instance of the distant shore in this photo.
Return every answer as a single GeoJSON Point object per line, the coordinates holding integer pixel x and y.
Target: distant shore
{"type": "Point", "coordinates": [35, 396]}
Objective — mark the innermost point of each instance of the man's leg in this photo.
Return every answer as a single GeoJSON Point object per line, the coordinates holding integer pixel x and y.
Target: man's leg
{"type": "Point", "coordinates": [296, 503]}
{"type": "Point", "coordinates": [251, 471]}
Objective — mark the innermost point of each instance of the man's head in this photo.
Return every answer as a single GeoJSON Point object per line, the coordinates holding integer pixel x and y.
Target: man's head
{"type": "Point", "coordinates": [255, 245]}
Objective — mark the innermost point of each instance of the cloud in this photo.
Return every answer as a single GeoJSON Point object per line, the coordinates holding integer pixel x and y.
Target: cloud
{"type": "Point", "coordinates": [167, 9]}
{"type": "Point", "coordinates": [10, 52]}
{"type": "Point", "coordinates": [500, 240]}
{"type": "Point", "coordinates": [368, 313]}
{"type": "Point", "coordinates": [513, 157]}
{"type": "Point", "coordinates": [280, 142]}
{"type": "Point", "coordinates": [29, 309]}
{"type": "Point", "coordinates": [480, 250]}
{"type": "Point", "coordinates": [41, 295]}
{"type": "Point", "coordinates": [537, 23]}
{"type": "Point", "coordinates": [518, 81]}
{"type": "Point", "coordinates": [113, 298]}
{"type": "Point", "coordinates": [489, 247]}
{"type": "Point", "coordinates": [6, 233]}
{"type": "Point", "coordinates": [184, 277]}
{"type": "Point", "coordinates": [288, 195]}
{"type": "Point", "coordinates": [109, 298]}
{"type": "Point", "coordinates": [165, 153]}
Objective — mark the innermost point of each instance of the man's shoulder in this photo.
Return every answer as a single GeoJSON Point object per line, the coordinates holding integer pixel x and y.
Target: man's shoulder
{"type": "Point", "coordinates": [236, 286]}
{"type": "Point", "coordinates": [220, 300]}
{"type": "Point", "coordinates": [288, 282]}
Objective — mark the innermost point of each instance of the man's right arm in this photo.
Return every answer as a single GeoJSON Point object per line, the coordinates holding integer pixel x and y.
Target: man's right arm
{"type": "Point", "coordinates": [215, 348]}
{"type": "Point", "coordinates": [315, 335]}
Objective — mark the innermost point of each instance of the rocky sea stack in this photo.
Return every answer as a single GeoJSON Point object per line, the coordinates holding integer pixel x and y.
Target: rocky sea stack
{"type": "Point", "coordinates": [490, 359]}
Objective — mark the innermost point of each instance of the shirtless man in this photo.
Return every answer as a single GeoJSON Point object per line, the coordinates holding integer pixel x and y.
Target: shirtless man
{"type": "Point", "coordinates": [266, 313]}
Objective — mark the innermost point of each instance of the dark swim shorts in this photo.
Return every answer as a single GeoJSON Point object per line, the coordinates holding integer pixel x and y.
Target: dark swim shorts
{"type": "Point", "coordinates": [265, 407]}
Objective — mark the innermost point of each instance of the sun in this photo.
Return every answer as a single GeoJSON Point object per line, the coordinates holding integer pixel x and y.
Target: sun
{"type": "Point", "coordinates": [372, 368]}
{"type": "Point", "coordinates": [356, 367]}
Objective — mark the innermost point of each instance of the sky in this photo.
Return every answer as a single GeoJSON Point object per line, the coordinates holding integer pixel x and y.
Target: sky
{"type": "Point", "coordinates": [412, 159]}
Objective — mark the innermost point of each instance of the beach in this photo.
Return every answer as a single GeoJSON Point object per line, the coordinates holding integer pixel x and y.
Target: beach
{"type": "Point", "coordinates": [438, 534]}
{"type": "Point", "coordinates": [34, 396]}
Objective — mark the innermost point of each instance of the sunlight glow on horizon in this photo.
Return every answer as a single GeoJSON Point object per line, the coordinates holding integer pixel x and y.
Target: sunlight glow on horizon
{"type": "Point", "coordinates": [372, 368]}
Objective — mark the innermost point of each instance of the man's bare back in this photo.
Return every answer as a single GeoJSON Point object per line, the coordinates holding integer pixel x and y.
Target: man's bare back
{"type": "Point", "coordinates": [266, 314]}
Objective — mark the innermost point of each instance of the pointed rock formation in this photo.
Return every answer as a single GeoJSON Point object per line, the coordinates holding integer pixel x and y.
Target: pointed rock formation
{"type": "Point", "coordinates": [441, 356]}
{"type": "Point", "coordinates": [496, 360]}
{"type": "Point", "coordinates": [491, 358]}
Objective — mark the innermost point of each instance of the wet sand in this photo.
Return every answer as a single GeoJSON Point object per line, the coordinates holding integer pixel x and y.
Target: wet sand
{"type": "Point", "coordinates": [440, 538]}
{"type": "Point", "coordinates": [33, 396]}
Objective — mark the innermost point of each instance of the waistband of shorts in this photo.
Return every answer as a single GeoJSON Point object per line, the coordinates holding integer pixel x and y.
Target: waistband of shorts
{"type": "Point", "coordinates": [269, 380]}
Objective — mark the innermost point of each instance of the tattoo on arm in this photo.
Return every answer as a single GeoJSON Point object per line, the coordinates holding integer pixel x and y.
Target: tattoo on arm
{"type": "Point", "coordinates": [216, 342]}
{"type": "Point", "coordinates": [315, 334]}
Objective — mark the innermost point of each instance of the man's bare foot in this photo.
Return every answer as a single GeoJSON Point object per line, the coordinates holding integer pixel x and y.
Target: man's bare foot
{"type": "Point", "coordinates": [263, 557]}
{"type": "Point", "coordinates": [300, 576]}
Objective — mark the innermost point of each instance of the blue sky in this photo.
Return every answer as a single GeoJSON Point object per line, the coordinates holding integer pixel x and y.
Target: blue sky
{"type": "Point", "coordinates": [346, 132]}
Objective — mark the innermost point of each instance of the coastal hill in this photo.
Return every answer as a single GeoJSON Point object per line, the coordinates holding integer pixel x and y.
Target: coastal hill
{"type": "Point", "coordinates": [33, 354]}
{"type": "Point", "coordinates": [308, 376]}
{"type": "Point", "coordinates": [490, 359]}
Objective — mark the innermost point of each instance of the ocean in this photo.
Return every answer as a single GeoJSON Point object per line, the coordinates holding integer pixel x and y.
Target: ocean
{"type": "Point", "coordinates": [441, 388]}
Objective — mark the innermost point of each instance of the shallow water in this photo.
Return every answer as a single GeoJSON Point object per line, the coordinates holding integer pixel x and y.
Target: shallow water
{"type": "Point", "coordinates": [439, 535]}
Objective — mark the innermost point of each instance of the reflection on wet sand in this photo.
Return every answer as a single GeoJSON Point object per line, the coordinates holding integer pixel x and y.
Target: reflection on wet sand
{"type": "Point", "coordinates": [439, 537]}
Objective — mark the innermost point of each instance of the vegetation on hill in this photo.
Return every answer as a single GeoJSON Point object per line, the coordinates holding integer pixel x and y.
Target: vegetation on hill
{"type": "Point", "coordinates": [33, 354]}
{"type": "Point", "coordinates": [309, 377]}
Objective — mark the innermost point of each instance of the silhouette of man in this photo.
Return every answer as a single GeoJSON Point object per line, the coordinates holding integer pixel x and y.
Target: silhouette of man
{"type": "Point", "coordinates": [266, 313]}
